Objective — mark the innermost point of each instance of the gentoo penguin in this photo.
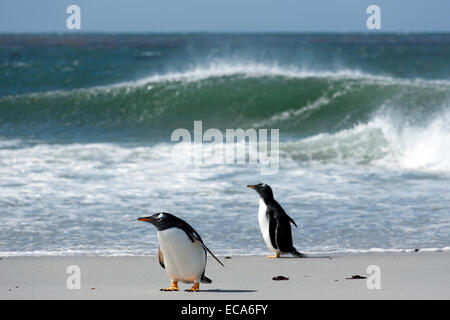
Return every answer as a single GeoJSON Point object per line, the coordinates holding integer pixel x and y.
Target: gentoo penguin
{"type": "Point", "coordinates": [181, 251]}
{"type": "Point", "coordinates": [274, 223]}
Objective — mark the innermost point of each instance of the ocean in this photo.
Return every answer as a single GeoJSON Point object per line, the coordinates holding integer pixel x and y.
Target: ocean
{"type": "Point", "coordinates": [86, 123]}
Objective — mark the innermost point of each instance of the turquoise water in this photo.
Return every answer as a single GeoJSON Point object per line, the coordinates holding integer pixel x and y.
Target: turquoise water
{"type": "Point", "coordinates": [85, 149]}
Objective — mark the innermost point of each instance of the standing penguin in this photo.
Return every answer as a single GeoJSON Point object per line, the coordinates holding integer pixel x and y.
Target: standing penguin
{"type": "Point", "coordinates": [274, 223]}
{"type": "Point", "coordinates": [181, 251]}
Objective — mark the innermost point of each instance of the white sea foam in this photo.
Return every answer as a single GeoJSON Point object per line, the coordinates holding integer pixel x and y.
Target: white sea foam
{"type": "Point", "coordinates": [254, 69]}
{"type": "Point", "coordinates": [303, 112]}
{"type": "Point", "coordinates": [382, 142]}
{"type": "Point", "coordinates": [251, 69]}
{"type": "Point", "coordinates": [418, 148]}
{"type": "Point", "coordinates": [224, 252]}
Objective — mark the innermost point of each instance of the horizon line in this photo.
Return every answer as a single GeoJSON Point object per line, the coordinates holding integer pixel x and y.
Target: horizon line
{"type": "Point", "coordinates": [368, 32]}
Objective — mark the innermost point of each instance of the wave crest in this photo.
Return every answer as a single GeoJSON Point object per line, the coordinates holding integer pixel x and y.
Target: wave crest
{"type": "Point", "coordinates": [380, 142]}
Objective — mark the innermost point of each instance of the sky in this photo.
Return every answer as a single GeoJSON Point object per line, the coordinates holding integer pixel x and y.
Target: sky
{"type": "Point", "coordinates": [17, 16]}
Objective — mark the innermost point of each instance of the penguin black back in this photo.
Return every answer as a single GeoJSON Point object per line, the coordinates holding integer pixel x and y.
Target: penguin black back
{"type": "Point", "coordinates": [164, 220]}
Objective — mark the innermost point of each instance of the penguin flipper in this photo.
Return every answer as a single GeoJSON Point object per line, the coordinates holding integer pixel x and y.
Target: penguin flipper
{"type": "Point", "coordinates": [272, 228]}
{"type": "Point", "coordinates": [281, 210]}
{"type": "Point", "coordinates": [283, 236]}
{"type": "Point", "coordinates": [292, 221]}
{"type": "Point", "coordinates": [161, 258]}
{"type": "Point", "coordinates": [195, 236]}
{"type": "Point", "coordinates": [212, 254]}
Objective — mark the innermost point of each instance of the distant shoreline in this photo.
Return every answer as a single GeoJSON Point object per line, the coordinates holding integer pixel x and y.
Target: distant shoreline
{"type": "Point", "coordinates": [178, 33]}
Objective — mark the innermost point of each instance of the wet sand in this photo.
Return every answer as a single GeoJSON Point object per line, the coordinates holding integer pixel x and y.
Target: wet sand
{"type": "Point", "coordinates": [421, 275]}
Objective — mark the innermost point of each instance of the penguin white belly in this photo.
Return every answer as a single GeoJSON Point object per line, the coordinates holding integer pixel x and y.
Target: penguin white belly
{"type": "Point", "coordinates": [264, 224]}
{"type": "Point", "coordinates": [184, 260]}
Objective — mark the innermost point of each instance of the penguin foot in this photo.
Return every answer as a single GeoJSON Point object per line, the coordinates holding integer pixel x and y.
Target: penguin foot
{"type": "Point", "coordinates": [274, 256]}
{"type": "Point", "coordinates": [173, 287]}
{"type": "Point", "coordinates": [195, 288]}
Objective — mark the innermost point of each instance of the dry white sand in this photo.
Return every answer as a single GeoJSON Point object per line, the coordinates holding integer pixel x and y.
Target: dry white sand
{"type": "Point", "coordinates": [422, 275]}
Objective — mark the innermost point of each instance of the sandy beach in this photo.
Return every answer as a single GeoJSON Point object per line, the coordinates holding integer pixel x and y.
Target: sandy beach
{"type": "Point", "coordinates": [421, 275]}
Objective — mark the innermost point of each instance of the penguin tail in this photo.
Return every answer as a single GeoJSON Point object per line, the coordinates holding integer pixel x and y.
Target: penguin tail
{"type": "Point", "coordinates": [205, 279]}
{"type": "Point", "coordinates": [297, 254]}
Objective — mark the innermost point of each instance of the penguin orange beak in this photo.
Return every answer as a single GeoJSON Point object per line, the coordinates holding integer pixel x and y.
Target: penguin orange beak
{"type": "Point", "coordinates": [145, 219]}
{"type": "Point", "coordinates": [251, 186]}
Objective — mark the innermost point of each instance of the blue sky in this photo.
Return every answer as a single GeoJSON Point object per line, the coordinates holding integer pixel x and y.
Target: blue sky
{"type": "Point", "coordinates": [224, 15]}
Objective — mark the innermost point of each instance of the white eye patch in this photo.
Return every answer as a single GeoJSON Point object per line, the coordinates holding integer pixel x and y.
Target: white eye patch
{"type": "Point", "coordinates": [160, 215]}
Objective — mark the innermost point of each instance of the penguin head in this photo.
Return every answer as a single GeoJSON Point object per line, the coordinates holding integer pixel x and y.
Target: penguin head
{"type": "Point", "coordinates": [264, 190]}
{"type": "Point", "coordinates": [161, 220]}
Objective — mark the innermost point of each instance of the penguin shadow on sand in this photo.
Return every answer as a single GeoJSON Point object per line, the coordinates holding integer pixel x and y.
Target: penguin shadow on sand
{"type": "Point", "coordinates": [229, 290]}
{"type": "Point", "coordinates": [309, 257]}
